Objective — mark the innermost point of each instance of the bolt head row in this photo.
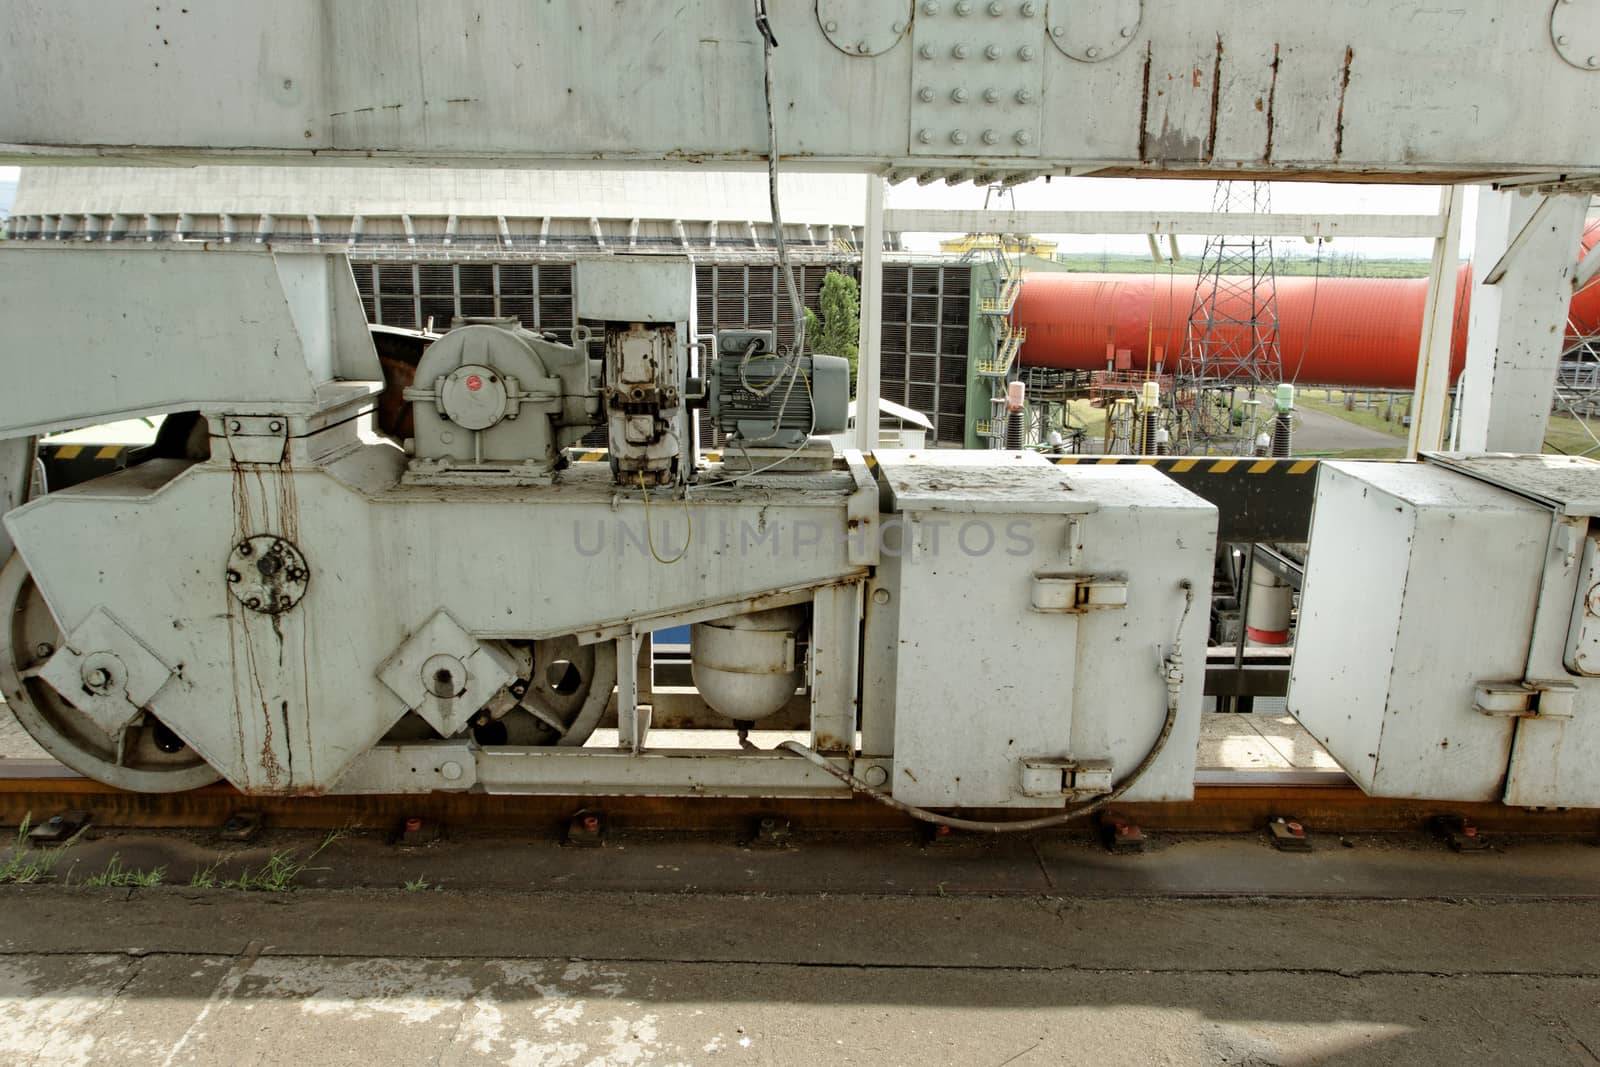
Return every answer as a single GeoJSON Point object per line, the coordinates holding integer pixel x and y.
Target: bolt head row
{"type": "Point", "coordinates": [964, 7]}
{"type": "Point", "coordinates": [1026, 53]}
{"type": "Point", "coordinates": [989, 137]}
{"type": "Point", "coordinates": [991, 95]}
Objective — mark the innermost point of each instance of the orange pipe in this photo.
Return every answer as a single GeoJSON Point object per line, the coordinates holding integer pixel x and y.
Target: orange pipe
{"type": "Point", "coordinates": [1358, 332]}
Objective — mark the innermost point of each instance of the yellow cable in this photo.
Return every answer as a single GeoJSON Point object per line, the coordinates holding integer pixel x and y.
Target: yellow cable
{"type": "Point", "coordinates": [649, 535]}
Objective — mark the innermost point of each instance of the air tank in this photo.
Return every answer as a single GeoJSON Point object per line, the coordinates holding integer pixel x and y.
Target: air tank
{"type": "Point", "coordinates": [1356, 332]}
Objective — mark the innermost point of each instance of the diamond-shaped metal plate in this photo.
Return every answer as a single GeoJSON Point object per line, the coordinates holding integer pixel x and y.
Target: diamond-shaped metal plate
{"type": "Point", "coordinates": [106, 672]}
{"type": "Point", "coordinates": [977, 75]}
{"type": "Point", "coordinates": [445, 674]}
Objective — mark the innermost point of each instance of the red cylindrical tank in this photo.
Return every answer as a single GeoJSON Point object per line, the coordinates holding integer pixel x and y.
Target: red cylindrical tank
{"type": "Point", "coordinates": [1359, 332]}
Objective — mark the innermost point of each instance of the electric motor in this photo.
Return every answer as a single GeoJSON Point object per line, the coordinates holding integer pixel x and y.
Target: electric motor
{"type": "Point", "coordinates": [753, 397]}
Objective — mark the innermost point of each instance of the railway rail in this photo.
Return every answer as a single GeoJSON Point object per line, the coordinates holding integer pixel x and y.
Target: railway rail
{"type": "Point", "coordinates": [1224, 802]}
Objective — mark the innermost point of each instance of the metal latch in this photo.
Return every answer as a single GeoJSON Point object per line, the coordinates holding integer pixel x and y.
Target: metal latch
{"type": "Point", "coordinates": [1072, 593]}
{"type": "Point", "coordinates": [1074, 779]}
{"type": "Point", "coordinates": [1526, 700]}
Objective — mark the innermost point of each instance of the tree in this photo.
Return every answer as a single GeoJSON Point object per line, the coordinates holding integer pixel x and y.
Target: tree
{"type": "Point", "coordinates": [837, 331]}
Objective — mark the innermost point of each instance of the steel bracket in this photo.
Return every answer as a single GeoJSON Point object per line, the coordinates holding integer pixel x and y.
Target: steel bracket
{"type": "Point", "coordinates": [445, 674]}
{"type": "Point", "coordinates": [1526, 700]}
{"type": "Point", "coordinates": [1093, 31]}
{"type": "Point", "coordinates": [1056, 593]}
{"type": "Point", "coordinates": [1073, 779]}
{"type": "Point", "coordinates": [106, 672]}
{"type": "Point", "coordinates": [254, 438]}
{"type": "Point", "coordinates": [864, 27]}
{"type": "Point", "coordinates": [1575, 32]}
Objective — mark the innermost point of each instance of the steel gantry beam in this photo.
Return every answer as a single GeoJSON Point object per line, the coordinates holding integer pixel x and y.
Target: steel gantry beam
{"type": "Point", "coordinates": [1000, 90]}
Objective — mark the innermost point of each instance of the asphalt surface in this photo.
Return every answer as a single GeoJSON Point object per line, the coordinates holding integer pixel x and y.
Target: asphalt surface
{"type": "Point", "coordinates": [1317, 431]}
{"type": "Point", "coordinates": [654, 951]}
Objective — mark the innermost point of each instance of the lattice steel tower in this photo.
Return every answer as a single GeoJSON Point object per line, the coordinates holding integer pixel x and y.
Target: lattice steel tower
{"type": "Point", "coordinates": [1231, 347]}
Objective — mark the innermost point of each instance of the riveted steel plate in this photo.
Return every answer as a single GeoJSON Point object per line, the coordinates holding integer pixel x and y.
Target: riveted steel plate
{"type": "Point", "coordinates": [977, 76]}
{"type": "Point", "coordinates": [1092, 31]}
{"type": "Point", "coordinates": [1575, 31]}
{"type": "Point", "coordinates": [864, 27]}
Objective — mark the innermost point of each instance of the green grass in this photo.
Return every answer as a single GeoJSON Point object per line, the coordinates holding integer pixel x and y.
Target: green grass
{"type": "Point", "coordinates": [116, 876]}
{"type": "Point", "coordinates": [1369, 418]}
{"type": "Point", "coordinates": [416, 885]}
{"type": "Point", "coordinates": [27, 865]}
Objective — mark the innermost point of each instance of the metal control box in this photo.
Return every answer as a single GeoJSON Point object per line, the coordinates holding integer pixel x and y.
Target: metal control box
{"type": "Point", "coordinates": [1445, 632]}
{"type": "Point", "coordinates": [1031, 608]}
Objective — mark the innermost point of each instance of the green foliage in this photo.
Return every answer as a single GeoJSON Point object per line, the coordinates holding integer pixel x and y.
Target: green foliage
{"type": "Point", "coordinates": [27, 865]}
{"type": "Point", "coordinates": [416, 885]}
{"type": "Point", "coordinates": [116, 876]}
{"type": "Point", "coordinates": [837, 331]}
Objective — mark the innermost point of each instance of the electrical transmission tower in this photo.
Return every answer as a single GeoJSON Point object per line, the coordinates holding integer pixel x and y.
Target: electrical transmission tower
{"type": "Point", "coordinates": [1231, 356]}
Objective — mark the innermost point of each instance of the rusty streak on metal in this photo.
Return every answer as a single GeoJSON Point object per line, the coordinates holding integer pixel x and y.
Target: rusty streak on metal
{"type": "Point", "coordinates": [1144, 109]}
{"type": "Point", "coordinates": [1338, 121]}
{"type": "Point", "coordinates": [1216, 103]}
{"type": "Point", "coordinates": [1272, 100]}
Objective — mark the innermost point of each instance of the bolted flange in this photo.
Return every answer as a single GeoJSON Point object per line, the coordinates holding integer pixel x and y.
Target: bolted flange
{"type": "Point", "coordinates": [267, 574]}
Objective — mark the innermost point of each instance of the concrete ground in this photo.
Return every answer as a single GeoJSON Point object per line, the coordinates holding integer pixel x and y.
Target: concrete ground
{"type": "Point", "coordinates": [179, 977]}
{"type": "Point", "coordinates": [889, 951]}
{"type": "Point", "coordinates": [1317, 431]}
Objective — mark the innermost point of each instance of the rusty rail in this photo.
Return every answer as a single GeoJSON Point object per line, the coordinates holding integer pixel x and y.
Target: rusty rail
{"type": "Point", "coordinates": [1225, 802]}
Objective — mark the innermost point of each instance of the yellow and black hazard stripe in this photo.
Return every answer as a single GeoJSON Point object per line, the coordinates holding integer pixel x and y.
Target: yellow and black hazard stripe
{"type": "Point", "coordinates": [1256, 499]}
{"type": "Point", "coordinates": [71, 464]}
{"type": "Point", "coordinates": [1201, 464]}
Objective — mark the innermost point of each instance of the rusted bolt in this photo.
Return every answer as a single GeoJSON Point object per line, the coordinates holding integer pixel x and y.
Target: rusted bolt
{"type": "Point", "coordinates": [591, 823]}
{"type": "Point", "coordinates": [45, 649]}
{"type": "Point", "coordinates": [413, 824]}
{"type": "Point", "coordinates": [233, 576]}
{"type": "Point", "coordinates": [285, 602]}
{"type": "Point", "coordinates": [245, 549]}
{"type": "Point", "coordinates": [254, 603]}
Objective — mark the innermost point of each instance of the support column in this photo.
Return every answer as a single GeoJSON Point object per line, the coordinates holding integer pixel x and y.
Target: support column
{"type": "Point", "coordinates": [869, 364]}
{"type": "Point", "coordinates": [16, 476]}
{"type": "Point", "coordinates": [1525, 258]}
{"type": "Point", "coordinates": [1438, 318]}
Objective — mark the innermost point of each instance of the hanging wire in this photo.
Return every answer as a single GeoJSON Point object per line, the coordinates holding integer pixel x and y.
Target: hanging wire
{"type": "Point", "coordinates": [649, 534]}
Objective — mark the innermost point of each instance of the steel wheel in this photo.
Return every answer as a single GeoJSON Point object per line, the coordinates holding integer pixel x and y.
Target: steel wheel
{"type": "Point", "coordinates": [152, 758]}
{"type": "Point", "coordinates": [567, 690]}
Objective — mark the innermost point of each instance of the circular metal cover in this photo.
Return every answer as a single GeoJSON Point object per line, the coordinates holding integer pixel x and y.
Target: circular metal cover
{"type": "Point", "coordinates": [474, 396]}
{"type": "Point", "coordinates": [864, 27]}
{"type": "Point", "coordinates": [267, 574]}
{"type": "Point", "coordinates": [1091, 31]}
{"type": "Point", "coordinates": [1575, 31]}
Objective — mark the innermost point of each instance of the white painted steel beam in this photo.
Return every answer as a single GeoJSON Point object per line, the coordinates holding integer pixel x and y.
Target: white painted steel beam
{"type": "Point", "coordinates": [1518, 323]}
{"type": "Point", "coordinates": [1438, 320]}
{"type": "Point", "coordinates": [1203, 87]}
{"type": "Point", "coordinates": [1194, 223]}
{"type": "Point", "coordinates": [869, 346]}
